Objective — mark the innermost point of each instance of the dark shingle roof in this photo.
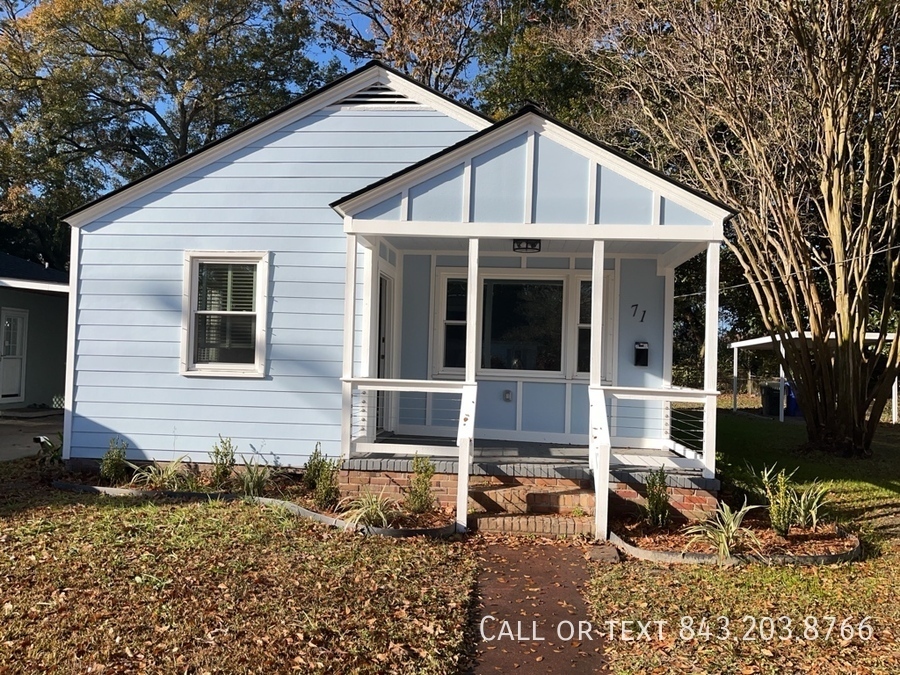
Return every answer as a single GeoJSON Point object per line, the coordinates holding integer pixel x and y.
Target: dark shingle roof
{"type": "Point", "coordinates": [12, 267]}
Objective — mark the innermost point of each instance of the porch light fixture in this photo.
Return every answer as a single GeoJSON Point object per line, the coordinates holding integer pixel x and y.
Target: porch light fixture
{"type": "Point", "coordinates": [527, 245]}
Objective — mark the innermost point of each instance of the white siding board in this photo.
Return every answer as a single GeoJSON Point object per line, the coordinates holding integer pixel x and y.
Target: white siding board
{"type": "Point", "coordinates": [272, 196]}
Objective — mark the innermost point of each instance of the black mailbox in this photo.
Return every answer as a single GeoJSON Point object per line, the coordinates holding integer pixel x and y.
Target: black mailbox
{"type": "Point", "coordinates": [641, 354]}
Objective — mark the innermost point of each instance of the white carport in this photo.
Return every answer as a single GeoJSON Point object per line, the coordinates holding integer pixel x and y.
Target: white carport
{"type": "Point", "coordinates": [769, 344]}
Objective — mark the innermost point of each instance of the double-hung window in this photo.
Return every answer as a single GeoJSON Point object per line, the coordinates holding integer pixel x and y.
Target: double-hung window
{"type": "Point", "coordinates": [224, 312]}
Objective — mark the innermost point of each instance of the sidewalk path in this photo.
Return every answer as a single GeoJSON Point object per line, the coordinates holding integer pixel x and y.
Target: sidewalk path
{"type": "Point", "coordinates": [534, 587]}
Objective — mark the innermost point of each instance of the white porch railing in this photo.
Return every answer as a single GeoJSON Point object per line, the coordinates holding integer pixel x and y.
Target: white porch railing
{"type": "Point", "coordinates": [359, 426]}
{"type": "Point", "coordinates": [675, 419]}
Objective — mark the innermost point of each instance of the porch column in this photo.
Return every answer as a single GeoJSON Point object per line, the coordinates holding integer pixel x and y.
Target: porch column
{"type": "Point", "coordinates": [734, 384]}
{"type": "Point", "coordinates": [349, 339]}
{"type": "Point", "coordinates": [781, 383]}
{"type": "Point", "coordinates": [711, 358]}
{"type": "Point", "coordinates": [599, 422]}
{"type": "Point", "coordinates": [894, 402]}
{"type": "Point", "coordinates": [465, 439]}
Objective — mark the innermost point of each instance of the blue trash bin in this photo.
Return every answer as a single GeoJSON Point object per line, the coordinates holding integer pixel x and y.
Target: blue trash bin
{"type": "Point", "coordinates": [792, 408]}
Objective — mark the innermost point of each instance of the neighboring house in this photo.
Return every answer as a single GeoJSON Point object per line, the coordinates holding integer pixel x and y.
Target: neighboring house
{"type": "Point", "coordinates": [224, 294]}
{"type": "Point", "coordinates": [33, 302]}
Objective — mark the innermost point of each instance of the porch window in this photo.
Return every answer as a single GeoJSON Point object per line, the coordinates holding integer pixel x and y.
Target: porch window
{"type": "Point", "coordinates": [522, 325]}
{"type": "Point", "coordinates": [225, 314]}
{"type": "Point", "coordinates": [455, 324]}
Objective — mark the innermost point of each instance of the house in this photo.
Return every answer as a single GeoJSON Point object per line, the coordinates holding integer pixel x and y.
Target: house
{"type": "Point", "coordinates": [306, 280]}
{"type": "Point", "coordinates": [33, 313]}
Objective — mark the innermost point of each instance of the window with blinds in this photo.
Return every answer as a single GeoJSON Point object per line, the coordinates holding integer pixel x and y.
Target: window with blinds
{"type": "Point", "coordinates": [227, 298]}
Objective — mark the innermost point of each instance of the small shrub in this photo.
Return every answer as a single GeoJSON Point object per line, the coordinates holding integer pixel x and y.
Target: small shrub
{"type": "Point", "coordinates": [222, 458]}
{"type": "Point", "coordinates": [159, 477]}
{"type": "Point", "coordinates": [370, 509]}
{"type": "Point", "coordinates": [578, 512]}
{"type": "Point", "coordinates": [419, 497]}
{"type": "Point", "coordinates": [113, 466]}
{"type": "Point", "coordinates": [50, 452]}
{"type": "Point", "coordinates": [657, 510]}
{"type": "Point", "coordinates": [327, 494]}
{"type": "Point", "coordinates": [255, 477]}
{"type": "Point", "coordinates": [810, 504]}
{"type": "Point", "coordinates": [724, 529]}
{"type": "Point", "coordinates": [315, 466]}
{"type": "Point", "coordinates": [782, 499]}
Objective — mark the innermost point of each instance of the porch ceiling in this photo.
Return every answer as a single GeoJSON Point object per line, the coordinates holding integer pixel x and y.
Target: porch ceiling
{"type": "Point", "coordinates": [559, 246]}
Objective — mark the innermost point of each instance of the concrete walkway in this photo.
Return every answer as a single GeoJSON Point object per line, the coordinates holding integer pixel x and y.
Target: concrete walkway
{"type": "Point", "coordinates": [533, 616]}
{"type": "Point", "coordinates": [16, 435]}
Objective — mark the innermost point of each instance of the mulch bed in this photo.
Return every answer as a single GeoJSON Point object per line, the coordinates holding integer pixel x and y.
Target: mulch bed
{"type": "Point", "coordinates": [827, 539]}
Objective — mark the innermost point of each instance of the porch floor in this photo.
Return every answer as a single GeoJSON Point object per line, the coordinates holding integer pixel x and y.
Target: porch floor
{"type": "Point", "coordinates": [498, 454]}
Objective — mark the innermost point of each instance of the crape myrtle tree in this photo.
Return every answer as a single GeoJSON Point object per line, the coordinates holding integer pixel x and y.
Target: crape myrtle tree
{"type": "Point", "coordinates": [787, 110]}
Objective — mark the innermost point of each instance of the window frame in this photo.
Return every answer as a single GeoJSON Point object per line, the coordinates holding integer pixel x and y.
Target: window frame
{"type": "Point", "coordinates": [571, 279]}
{"type": "Point", "coordinates": [192, 261]}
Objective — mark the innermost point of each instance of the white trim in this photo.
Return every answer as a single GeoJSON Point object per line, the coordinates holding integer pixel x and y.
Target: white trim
{"type": "Point", "coordinates": [332, 95]}
{"type": "Point", "coordinates": [530, 177]}
{"type": "Point", "coordinates": [678, 254]}
{"type": "Point", "coordinates": [74, 277]}
{"type": "Point", "coordinates": [26, 285]}
{"type": "Point", "coordinates": [668, 326]}
{"type": "Point", "coordinates": [22, 314]}
{"type": "Point", "coordinates": [597, 312]}
{"type": "Point", "coordinates": [473, 310]}
{"type": "Point", "coordinates": [192, 261]}
{"type": "Point", "coordinates": [609, 232]}
{"type": "Point", "coordinates": [711, 358]}
{"type": "Point", "coordinates": [533, 122]}
{"type": "Point", "coordinates": [467, 192]}
{"type": "Point", "coordinates": [593, 170]}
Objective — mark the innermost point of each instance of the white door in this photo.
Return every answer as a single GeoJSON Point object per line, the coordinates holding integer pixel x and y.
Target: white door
{"type": "Point", "coordinates": [14, 323]}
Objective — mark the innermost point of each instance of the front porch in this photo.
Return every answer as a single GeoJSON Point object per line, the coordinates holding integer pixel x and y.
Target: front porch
{"type": "Point", "coordinates": [518, 289]}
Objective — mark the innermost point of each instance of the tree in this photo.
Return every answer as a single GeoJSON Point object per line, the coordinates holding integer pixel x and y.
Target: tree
{"type": "Point", "coordinates": [97, 92]}
{"type": "Point", "coordinates": [790, 111]}
{"type": "Point", "coordinates": [433, 41]}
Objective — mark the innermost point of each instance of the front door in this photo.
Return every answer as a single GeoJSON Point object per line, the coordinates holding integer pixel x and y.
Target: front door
{"type": "Point", "coordinates": [14, 323]}
{"type": "Point", "coordinates": [384, 365]}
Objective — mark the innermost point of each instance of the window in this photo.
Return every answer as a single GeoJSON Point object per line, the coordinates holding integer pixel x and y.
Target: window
{"type": "Point", "coordinates": [225, 313]}
{"type": "Point", "coordinates": [540, 324]}
{"type": "Point", "coordinates": [522, 325]}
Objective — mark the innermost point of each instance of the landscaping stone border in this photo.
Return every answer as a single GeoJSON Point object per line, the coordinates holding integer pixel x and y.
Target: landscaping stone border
{"type": "Point", "coordinates": [712, 559]}
{"type": "Point", "coordinates": [394, 532]}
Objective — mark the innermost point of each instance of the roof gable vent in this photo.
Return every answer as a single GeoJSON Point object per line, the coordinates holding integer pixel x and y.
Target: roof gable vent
{"type": "Point", "coordinates": [379, 95]}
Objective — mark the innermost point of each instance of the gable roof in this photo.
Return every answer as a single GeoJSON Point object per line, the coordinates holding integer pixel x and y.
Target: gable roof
{"type": "Point", "coordinates": [12, 267]}
{"type": "Point", "coordinates": [367, 84]}
{"type": "Point", "coordinates": [383, 187]}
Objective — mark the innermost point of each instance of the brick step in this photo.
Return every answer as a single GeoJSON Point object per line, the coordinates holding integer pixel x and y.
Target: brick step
{"type": "Point", "coordinates": [531, 499]}
{"type": "Point", "coordinates": [548, 525]}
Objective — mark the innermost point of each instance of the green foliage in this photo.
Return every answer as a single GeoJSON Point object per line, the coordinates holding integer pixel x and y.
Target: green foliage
{"type": "Point", "coordinates": [724, 529]}
{"type": "Point", "coordinates": [809, 504]}
{"type": "Point", "coordinates": [255, 477]}
{"type": "Point", "coordinates": [158, 476]}
{"type": "Point", "coordinates": [315, 467]}
{"type": "Point", "coordinates": [113, 466]}
{"type": "Point", "coordinates": [327, 493]}
{"type": "Point", "coordinates": [50, 452]}
{"type": "Point", "coordinates": [657, 510]}
{"type": "Point", "coordinates": [222, 458]}
{"type": "Point", "coordinates": [419, 496]}
{"type": "Point", "coordinates": [781, 498]}
{"type": "Point", "coordinates": [369, 509]}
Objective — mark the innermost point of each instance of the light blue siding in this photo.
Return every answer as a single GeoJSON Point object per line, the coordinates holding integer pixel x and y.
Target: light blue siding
{"type": "Point", "coordinates": [439, 198]}
{"type": "Point", "coordinates": [498, 183]}
{"type": "Point", "coordinates": [415, 306]}
{"type": "Point", "coordinates": [491, 411]}
{"type": "Point", "coordinates": [581, 409]}
{"type": "Point", "coordinates": [672, 213]}
{"type": "Point", "coordinates": [621, 201]}
{"type": "Point", "coordinates": [544, 407]}
{"type": "Point", "coordinates": [544, 263]}
{"type": "Point", "coordinates": [445, 410]}
{"type": "Point", "coordinates": [389, 209]}
{"type": "Point", "coordinates": [640, 286]}
{"type": "Point", "coordinates": [272, 196]}
{"type": "Point", "coordinates": [561, 185]}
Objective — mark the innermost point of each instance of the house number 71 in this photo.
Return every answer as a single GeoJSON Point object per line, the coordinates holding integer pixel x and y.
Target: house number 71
{"type": "Point", "coordinates": [634, 311]}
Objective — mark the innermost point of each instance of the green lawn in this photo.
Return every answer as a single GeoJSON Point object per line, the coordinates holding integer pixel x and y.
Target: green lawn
{"type": "Point", "coordinates": [155, 586]}
{"type": "Point", "coordinates": [867, 497]}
